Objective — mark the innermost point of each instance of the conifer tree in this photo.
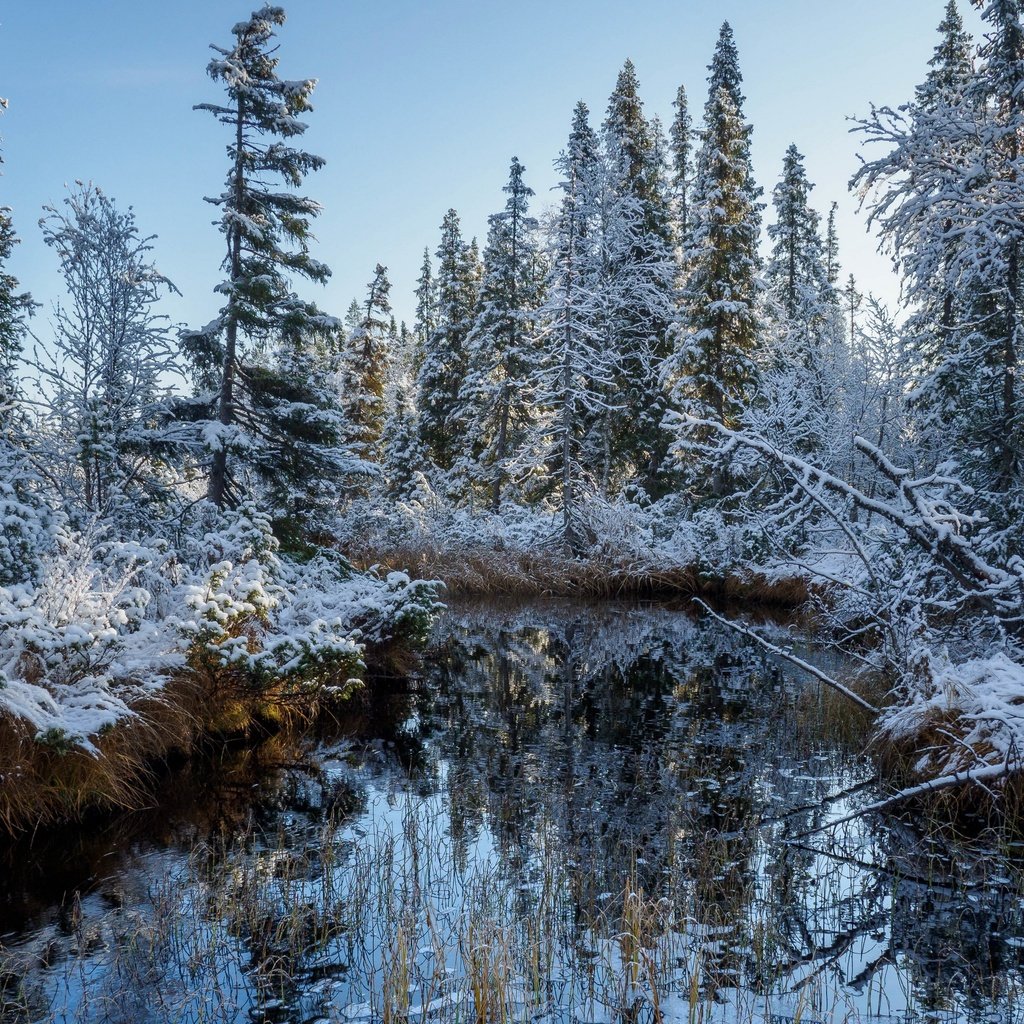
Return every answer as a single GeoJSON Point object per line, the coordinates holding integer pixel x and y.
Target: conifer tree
{"type": "Point", "coordinates": [575, 378]}
{"type": "Point", "coordinates": [682, 169]}
{"type": "Point", "coordinates": [951, 64]}
{"type": "Point", "coordinates": [364, 370]}
{"type": "Point", "coordinates": [271, 412]}
{"type": "Point", "coordinates": [26, 520]}
{"type": "Point", "coordinates": [939, 196]}
{"type": "Point", "coordinates": [443, 368]}
{"type": "Point", "coordinates": [353, 317]}
{"type": "Point", "coordinates": [802, 310]}
{"type": "Point", "coordinates": [15, 309]}
{"type": "Point", "coordinates": [797, 274]}
{"type": "Point", "coordinates": [501, 351]}
{"type": "Point", "coordinates": [426, 309]}
{"type": "Point", "coordinates": [404, 457]}
{"type": "Point", "coordinates": [714, 369]}
{"type": "Point", "coordinates": [635, 207]}
{"type": "Point", "coordinates": [832, 247]}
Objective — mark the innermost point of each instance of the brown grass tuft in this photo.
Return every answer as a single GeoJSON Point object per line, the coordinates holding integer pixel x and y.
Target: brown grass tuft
{"type": "Point", "coordinates": [489, 572]}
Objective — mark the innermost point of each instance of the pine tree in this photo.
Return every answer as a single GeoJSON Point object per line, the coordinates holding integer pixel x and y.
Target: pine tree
{"type": "Point", "coordinates": [443, 368]}
{"type": "Point", "coordinates": [832, 247]}
{"type": "Point", "coordinates": [715, 367]}
{"type": "Point", "coordinates": [26, 520]}
{"type": "Point", "coordinates": [939, 196]}
{"type": "Point", "coordinates": [797, 274]}
{"type": "Point", "coordinates": [15, 309]}
{"type": "Point", "coordinates": [952, 63]}
{"type": "Point", "coordinates": [270, 407]}
{"type": "Point", "coordinates": [404, 457]}
{"type": "Point", "coordinates": [353, 317]}
{"type": "Point", "coordinates": [426, 309]}
{"type": "Point", "coordinates": [501, 351]}
{"type": "Point", "coordinates": [802, 309]}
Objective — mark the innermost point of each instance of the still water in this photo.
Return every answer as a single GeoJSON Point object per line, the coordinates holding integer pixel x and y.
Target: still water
{"type": "Point", "coordinates": [571, 814]}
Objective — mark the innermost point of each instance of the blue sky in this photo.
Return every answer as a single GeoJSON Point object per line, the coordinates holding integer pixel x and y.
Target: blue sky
{"type": "Point", "coordinates": [421, 105]}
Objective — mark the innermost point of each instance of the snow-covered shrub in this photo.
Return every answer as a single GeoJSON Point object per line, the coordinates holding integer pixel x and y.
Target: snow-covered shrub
{"type": "Point", "coordinates": [79, 646]}
{"type": "Point", "coordinates": [271, 621]}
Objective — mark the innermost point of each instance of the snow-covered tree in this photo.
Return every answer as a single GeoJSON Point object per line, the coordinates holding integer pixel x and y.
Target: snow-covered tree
{"type": "Point", "coordinates": [426, 309]}
{"type": "Point", "coordinates": [364, 370]}
{"type": "Point", "coordinates": [714, 368]}
{"type": "Point", "coordinates": [804, 365]}
{"type": "Point", "coordinates": [804, 322]}
{"type": "Point", "coordinates": [641, 274]}
{"type": "Point", "coordinates": [404, 460]}
{"type": "Point", "coordinates": [15, 309]}
{"type": "Point", "coordinates": [267, 396]}
{"type": "Point", "coordinates": [941, 196]}
{"type": "Point", "coordinates": [443, 368]}
{"type": "Point", "coordinates": [681, 178]}
{"type": "Point", "coordinates": [832, 246]}
{"type": "Point", "coordinates": [104, 375]}
{"type": "Point", "coordinates": [501, 346]}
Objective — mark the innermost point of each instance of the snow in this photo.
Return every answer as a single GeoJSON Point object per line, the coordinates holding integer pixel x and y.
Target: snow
{"type": "Point", "coordinates": [107, 625]}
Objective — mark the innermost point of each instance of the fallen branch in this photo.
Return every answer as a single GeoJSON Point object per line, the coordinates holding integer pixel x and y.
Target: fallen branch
{"type": "Point", "coordinates": [976, 775]}
{"type": "Point", "coordinates": [792, 659]}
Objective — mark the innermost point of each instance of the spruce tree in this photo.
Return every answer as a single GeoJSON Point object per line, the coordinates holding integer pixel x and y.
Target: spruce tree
{"type": "Point", "coordinates": [404, 457]}
{"type": "Point", "coordinates": [501, 350]}
{"type": "Point", "coordinates": [364, 370]}
{"type": "Point", "coordinates": [426, 309]}
{"type": "Point", "coordinates": [636, 208]}
{"type": "Point", "coordinates": [951, 64]}
{"type": "Point", "coordinates": [443, 368]}
{"type": "Point", "coordinates": [715, 366]}
{"type": "Point", "coordinates": [939, 196]}
{"type": "Point", "coordinates": [27, 523]}
{"type": "Point", "coordinates": [832, 247]}
{"type": "Point", "coordinates": [797, 275]}
{"type": "Point", "coordinates": [574, 380]}
{"type": "Point", "coordinates": [682, 169]}
{"type": "Point", "coordinates": [804, 324]}
{"type": "Point", "coordinates": [271, 412]}
{"type": "Point", "coordinates": [15, 309]}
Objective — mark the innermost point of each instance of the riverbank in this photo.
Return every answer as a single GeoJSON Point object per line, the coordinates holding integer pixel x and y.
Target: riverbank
{"type": "Point", "coordinates": [517, 573]}
{"type": "Point", "coordinates": [48, 780]}
{"type": "Point", "coordinates": [115, 657]}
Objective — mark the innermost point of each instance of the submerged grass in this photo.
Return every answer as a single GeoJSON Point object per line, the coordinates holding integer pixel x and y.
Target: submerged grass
{"type": "Point", "coordinates": [393, 925]}
{"type": "Point", "coordinates": [392, 928]}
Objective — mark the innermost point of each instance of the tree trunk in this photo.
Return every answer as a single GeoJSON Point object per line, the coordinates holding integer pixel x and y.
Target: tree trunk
{"type": "Point", "coordinates": [217, 491]}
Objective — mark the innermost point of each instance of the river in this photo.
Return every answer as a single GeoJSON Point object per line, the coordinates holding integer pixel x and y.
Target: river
{"type": "Point", "coordinates": [570, 813]}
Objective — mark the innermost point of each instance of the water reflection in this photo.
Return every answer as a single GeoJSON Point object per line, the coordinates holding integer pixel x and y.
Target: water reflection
{"type": "Point", "coordinates": [571, 814]}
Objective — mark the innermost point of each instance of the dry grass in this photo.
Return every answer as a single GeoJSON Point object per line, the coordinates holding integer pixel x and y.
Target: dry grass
{"type": "Point", "coordinates": [45, 784]}
{"type": "Point", "coordinates": [488, 572]}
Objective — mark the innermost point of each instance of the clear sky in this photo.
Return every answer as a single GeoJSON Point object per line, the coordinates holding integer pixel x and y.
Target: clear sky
{"type": "Point", "coordinates": [421, 105]}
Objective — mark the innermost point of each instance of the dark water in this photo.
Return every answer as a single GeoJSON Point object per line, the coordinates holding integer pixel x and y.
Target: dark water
{"type": "Point", "coordinates": [586, 814]}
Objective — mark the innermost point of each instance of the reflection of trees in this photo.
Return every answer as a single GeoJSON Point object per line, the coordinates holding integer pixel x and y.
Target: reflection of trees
{"type": "Point", "coordinates": [635, 737]}
{"type": "Point", "coordinates": [651, 747]}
